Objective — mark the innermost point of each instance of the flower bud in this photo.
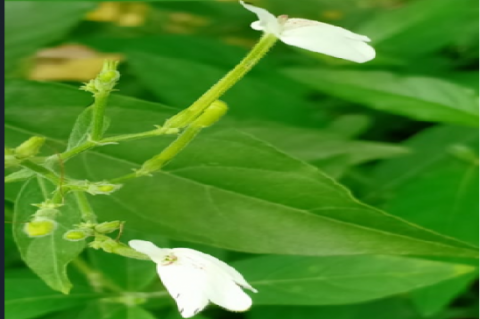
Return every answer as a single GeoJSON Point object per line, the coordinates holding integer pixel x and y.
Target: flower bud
{"type": "Point", "coordinates": [30, 147]}
{"type": "Point", "coordinates": [102, 188]}
{"type": "Point", "coordinates": [108, 227]}
{"type": "Point", "coordinates": [75, 235]}
{"type": "Point", "coordinates": [105, 80]}
{"type": "Point", "coordinates": [40, 227]}
{"type": "Point", "coordinates": [212, 114]}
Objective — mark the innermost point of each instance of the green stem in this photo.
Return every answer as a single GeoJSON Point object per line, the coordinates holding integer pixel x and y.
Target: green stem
{"type": "Point", "coordinates": [158, 161]}
{"type": "Point", "coordinates": [75, 151]}
{"type": "Point", "coordinates": [40, 170]}
{"type": "Point", "coordinates": [99, 106]}
{"type": "Point", "coordinates": [232, 77]}
{"type": "Point", "coordinates": [113, 139]}
{"type": "Point", "coordinates": [123, 178]}
{"type": "Point", "coordinates": [86, 210]}
{"type": "Point", "coordinates": [129, 137]}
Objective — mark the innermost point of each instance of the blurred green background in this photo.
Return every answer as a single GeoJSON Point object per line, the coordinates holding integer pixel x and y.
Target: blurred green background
{"type": "Point", "coordinates": [400, 131]}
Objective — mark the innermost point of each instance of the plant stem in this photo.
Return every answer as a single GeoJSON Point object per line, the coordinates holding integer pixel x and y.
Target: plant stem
{"type": "Point", "coordinates": [232, 77]}
{"type": "Point", "coordinates": [75, 151]}
{"type": "Point", "coordinates": [99, 106]}
{"type": "Point", "coordinates": [113, 139]}
{"type": "Point", "coordinates": [123, 178]}
{"type": "Point", "coordinates": [158, 161]}
{"type": "Point", "coordinates": [86, 210]}
{"type": "Point", "coordinates": [40, 170]}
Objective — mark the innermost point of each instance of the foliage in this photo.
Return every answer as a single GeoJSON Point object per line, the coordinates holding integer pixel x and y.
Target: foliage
{"type": "Point", "coordinates": [338, 190]}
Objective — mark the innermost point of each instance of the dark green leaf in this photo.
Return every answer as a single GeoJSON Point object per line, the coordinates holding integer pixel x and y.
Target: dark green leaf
{"type": "Point", "coordinates": [421, 27]}
{"type": "Point", "coordinates": [433, 186]}
{"type": "Point", "coordinates": [430, 300]}
{"type": "Point", "coordinates": [421, 98]}
{"type": "Point", "coordinates": [28, 297]}
{"type": "Point", "coordinates": [47, 256]}
{"type": "Point", "coordinates": [337, 280]}
{"type": "Point", "coordinates": [396, 309]}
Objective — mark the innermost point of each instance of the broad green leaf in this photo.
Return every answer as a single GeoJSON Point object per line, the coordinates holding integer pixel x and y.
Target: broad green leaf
{"type": "Point", "coordinates": [420, 98]}
{"type": "Point", "coordinates": [30, 25]}
{"type": "Point", "coordinates": [421, 27]}
{"type": "Point", "coordinates": [336, 280]}
{"type": "Point", "coordinates": [314, 145]}
{"type": "Point", "coordinates": [47, 256]}
{"type": "Point", "coordinates": [250, 98]}
{"type": "Point", "coordinates": [430, 300]}
{"type": "Point", "coordinates": [222, 180]}
{"type": "Point", "coordinates": [26, 296]}
{"type": "Point", "coordinates": [396, 308]}
{"type": "Point", "coordinates": [433, 186]}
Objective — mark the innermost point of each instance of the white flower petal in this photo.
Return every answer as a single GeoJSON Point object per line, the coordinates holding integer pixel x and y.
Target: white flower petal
{"type": "Point", "coordinates": [223, 291]}
{"type": "Point", "coordinates": [327, 39]}
{"type": "Point", "coordinates": [232, 272]}
{"type": "Point", "coordinates": [148, 248]}
{"type": "Point", "coordinates": [187, 285]}
{"type": "Point", "coordinates": [267, 21]}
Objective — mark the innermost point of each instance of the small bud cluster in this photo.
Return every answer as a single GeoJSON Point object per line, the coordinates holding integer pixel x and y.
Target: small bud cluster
{"type": "Point", "coordinates": [26, 150]}
{"type": "Point", "coordinates": [43, 221]}
{"type": "Point", "coordinates": [84, 230]}
{"type": "Point", "coordinates": [105, 80]}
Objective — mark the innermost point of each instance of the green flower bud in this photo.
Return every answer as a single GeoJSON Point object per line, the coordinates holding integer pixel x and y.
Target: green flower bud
{"type": "Point", "coordinates": [212, 114]}
{"type": "Point", "coordinates": [105, 80]}
{"type": "Point", "coordinates": [40, 227]}
{"type": "Point", "coordinates": [108, 227]}
{"type": "Point", "coordinates": [30, 147]}
{"type": "Point", "coordinates": [102, 188]}
{"type": "Point", "coordinates": [75, 235]}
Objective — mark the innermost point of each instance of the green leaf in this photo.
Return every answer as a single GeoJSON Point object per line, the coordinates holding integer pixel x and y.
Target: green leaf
{"type": "Point", "coordinates": [432, 186]}
{"type": "Point", "coordinates": [28, 297]}
{"type": "Point", "coordinates": [251, 98]}
{"type": "Point", "coordinates": [421, 27]}
{"type": "Point", "coordinates": [396, 308]}
{"type": "Point", "coordinates": [47, 256]}
{"type": "Point", "coordinates": [30, 25]}
{"type": "Point", "coordinates": [82, 128]}
{"type": "Point", "coordinates": [436, 187]}
{"type": "Point", "coordinates": [224, 179]}
{"type": "Point", "coordinates": [421, 98]}
{"type": "Point", "coordinates": [339, 280]}
{"type": "Point", "coordinates": [314, 145]}
{"type": "Point", "coordinates": [430, 300]}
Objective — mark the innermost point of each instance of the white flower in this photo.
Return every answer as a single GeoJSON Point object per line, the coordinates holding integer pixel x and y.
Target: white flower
{"type": "Point", "coordinates": [193, 279]}
{"type": "Point", "coordinates": [314, 36]}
